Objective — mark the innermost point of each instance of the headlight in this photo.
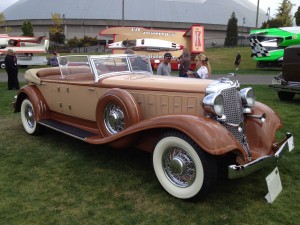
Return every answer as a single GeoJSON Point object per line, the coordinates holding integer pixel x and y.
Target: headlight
{"type": "Point", "coordinates": [248, 97]}
{"type": "Point", "coordinates": [214, 103]}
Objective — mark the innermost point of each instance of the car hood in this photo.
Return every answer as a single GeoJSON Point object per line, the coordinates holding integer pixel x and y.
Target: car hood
{"type": "Point", "coordinates": [155, 82]}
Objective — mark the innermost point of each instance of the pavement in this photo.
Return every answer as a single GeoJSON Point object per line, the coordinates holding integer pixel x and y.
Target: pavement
{"type": "Point", "coordinates": [243, 79]}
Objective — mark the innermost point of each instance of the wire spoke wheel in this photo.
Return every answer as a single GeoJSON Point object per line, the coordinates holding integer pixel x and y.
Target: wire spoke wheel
{"type": "Point", "coordinates": [114, 118]}
{"type": "Point", "coordinates": [28, 118]}
{"type": "Point", "coordinates": [183, 169]}
{"type": "Point", "coordinates": [179, 167]}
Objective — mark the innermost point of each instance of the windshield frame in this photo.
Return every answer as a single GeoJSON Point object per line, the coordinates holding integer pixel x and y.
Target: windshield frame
{"type": "Point", "coordinates": [105, 65]}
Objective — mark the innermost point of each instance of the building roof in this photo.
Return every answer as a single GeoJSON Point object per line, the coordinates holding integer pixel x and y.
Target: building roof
{"type": "Point", "coordinates": [185, 11]}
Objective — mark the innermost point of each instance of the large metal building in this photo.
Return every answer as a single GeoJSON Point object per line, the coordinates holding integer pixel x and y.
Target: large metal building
{"type": "Point", "coordinates": [88, 17]}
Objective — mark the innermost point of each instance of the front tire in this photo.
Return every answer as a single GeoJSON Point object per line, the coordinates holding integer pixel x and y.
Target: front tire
{"type": "Point", "coordinates": [182, 167]}
{"type": "Point", "coordinates": [28, 118]}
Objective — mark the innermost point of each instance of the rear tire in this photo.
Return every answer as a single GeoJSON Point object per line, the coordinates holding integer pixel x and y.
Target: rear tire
{"type": "Point", "coordinates": [182, 167]}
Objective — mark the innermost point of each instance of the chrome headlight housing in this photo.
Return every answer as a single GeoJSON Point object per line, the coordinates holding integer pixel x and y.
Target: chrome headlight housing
{"type": "Point", "coordinates": [248, 97]}
{"type": "Point", "coordinates": [214, 103]}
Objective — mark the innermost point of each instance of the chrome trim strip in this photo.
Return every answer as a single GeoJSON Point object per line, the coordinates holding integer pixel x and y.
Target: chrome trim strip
{"type": "Point", "coordinates": [237, 171]}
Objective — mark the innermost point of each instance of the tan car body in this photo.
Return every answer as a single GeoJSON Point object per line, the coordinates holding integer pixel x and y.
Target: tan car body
{"type": "Point", "coordinates": [169, 116]}
{"type": "Point", "coordinates": [160, 105]}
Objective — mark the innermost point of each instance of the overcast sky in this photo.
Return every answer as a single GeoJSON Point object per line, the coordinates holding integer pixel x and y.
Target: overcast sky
{"type": "Point", "coordinates": [263, 4]}
{"type": "Point", "coordinates": [274, 4]}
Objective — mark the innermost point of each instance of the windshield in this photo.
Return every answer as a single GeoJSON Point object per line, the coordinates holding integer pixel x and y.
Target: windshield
{"type": "Point", "coordinates": [120, 64]}
{"type": "Point", "coordinates": [105, 65]}
{"type": "Point", "coordinates": [73, 64]}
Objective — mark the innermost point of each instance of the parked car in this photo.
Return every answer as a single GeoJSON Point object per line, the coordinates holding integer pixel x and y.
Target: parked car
{"type": "Point", "coordinates": [287, 83]}
{"type": "Point", "coordinates": [189, 124]}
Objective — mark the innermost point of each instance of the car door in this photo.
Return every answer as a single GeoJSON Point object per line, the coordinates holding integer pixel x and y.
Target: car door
{"type": "Point", "coordinates": [53, 90]}
{"type": "Point", "coordinates": [80, 100]}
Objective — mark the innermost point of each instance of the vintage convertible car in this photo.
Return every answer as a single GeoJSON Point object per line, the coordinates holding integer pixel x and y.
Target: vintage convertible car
{"type": "Point", "coordinates": [189, 125]}
{"type": "Point", "coordinates": [287, 84]}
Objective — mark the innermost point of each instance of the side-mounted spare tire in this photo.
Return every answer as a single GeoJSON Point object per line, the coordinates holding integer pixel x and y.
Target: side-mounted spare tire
{"type": "Point", "coordinates": [116, 111]}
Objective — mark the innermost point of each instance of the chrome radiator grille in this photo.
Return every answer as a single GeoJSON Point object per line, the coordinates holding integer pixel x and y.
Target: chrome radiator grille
{"type": "Point", "coordinates": [233, 112]}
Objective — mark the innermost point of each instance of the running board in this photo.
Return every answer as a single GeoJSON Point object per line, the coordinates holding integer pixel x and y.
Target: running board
{"type": "Point", "coordinates": [67, 129]}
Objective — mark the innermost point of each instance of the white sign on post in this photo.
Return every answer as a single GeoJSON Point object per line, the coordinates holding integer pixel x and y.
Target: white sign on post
{"type": "Point", "coordinates": [274, 185]}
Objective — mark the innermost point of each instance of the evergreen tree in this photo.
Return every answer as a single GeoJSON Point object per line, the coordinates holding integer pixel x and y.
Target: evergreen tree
{"type": "Point", "coordinates": [273, 23]}
{"type": "Point", "coordinates": [27, 29]}
{"type": "Point", "coordinates": [284, 14]}
{"type": "Point", "coordinates": [297, 16]}
{"type": "Point", "coordinates": [232, 31]}
{"type": "Point", "coordinates": [283, 17]}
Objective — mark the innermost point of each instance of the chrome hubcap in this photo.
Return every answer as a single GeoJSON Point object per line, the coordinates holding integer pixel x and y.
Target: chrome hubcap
{"type": "Point", "coordinates": [179, 167]}
{"type": "Point", "coordinates": [29, 115]}
{"type": "Point", "coordinates": [114, 118]}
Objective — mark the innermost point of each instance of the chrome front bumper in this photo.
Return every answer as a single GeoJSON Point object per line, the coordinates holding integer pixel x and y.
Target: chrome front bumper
{"type": "Point", "coordinates": [237, 171]}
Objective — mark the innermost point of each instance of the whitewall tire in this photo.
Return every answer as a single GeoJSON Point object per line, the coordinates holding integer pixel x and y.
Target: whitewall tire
{"type": "Point", "coordinates": [28, 118]}
{"type": "Point", "coordinates": [182, 168]}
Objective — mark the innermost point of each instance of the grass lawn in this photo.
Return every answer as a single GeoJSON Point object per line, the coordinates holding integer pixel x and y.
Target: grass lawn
{"type": "Point", "coordinates": [222, 61]}
{"type": "Point", "coordinates": [54, 179]}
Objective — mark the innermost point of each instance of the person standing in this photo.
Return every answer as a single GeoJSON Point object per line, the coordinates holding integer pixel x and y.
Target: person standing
{"type": "Point", "coordinates": [164, 68]}
{"type": "Point", "coordinates": [237, 60]}
{"type": "Point", "coordinates": [11, 68]}
{"type": "Point", "coordinates": [185, 62]}
{"type": "Point", "coordinates": [54, 60]}
{"type": "Point", "coordinates": [204, 68]}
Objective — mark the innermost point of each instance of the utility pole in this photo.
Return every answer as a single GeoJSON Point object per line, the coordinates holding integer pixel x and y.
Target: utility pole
{"type": "Point", "coordinates": [257, 10]}
{"type": "Point", "coordinates": [242, 36]}
{"type": "Point", "coordinates": [268, 14]}
{"type": "Point", "coordinates": [123, 12]}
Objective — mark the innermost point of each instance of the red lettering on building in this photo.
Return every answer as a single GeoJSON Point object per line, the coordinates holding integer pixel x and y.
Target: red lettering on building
{"type": "Point", "coordinates": [197, 38]}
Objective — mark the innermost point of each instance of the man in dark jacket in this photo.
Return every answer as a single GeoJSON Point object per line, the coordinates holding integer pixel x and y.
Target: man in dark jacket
{"type": "Point", "coordinates": [185, 62]}
{"type": "Point", "coordinates": [11, 68]}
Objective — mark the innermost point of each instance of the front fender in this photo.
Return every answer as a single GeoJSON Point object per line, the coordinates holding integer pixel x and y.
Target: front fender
{"type": "Point", "coordinates": [40, 106]}
{"type": "Point", "coordinates": [261, 136]}
{"type": "Point", "coordinates": [211, 136]}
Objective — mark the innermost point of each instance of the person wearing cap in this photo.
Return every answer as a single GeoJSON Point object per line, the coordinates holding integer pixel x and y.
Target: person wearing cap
{"type": "Point", "coordinates": [164, 68]}
{"type": "Point", "coordinates": [11, 68]}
